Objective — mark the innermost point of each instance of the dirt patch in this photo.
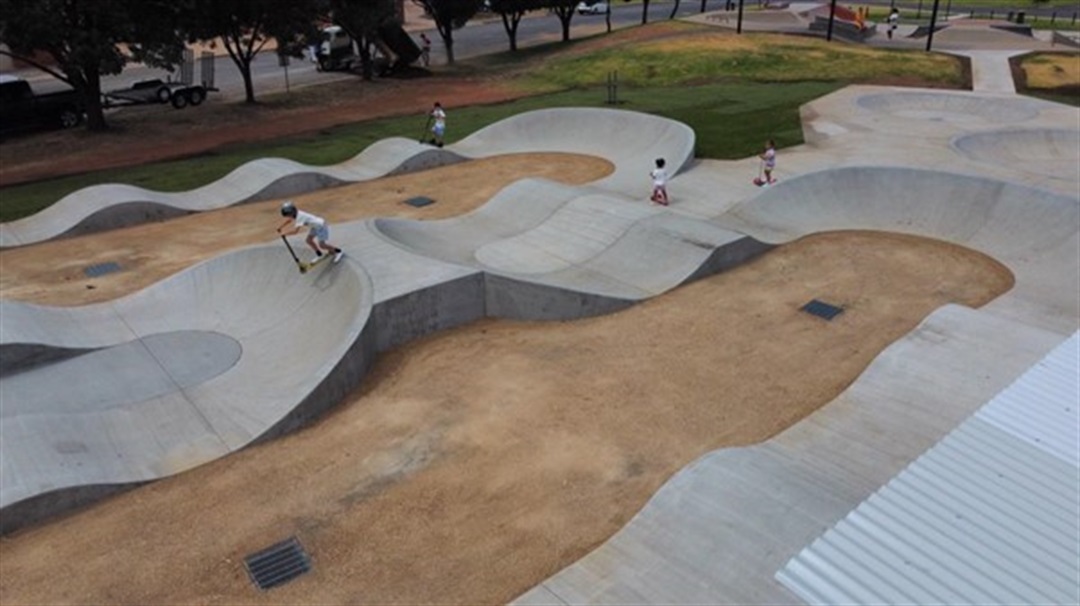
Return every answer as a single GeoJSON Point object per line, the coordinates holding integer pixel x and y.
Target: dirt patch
{"type": "Point", "coordinates": [1050, 74]}
{"type": "Point", "coordinates": [475, 463]}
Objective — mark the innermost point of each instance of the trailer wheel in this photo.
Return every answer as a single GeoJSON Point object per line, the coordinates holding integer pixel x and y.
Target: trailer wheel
{"type": "Point", "coordinates": [196, 95]}
{"type": "Point", "coordinates": [163, 94]}
{"type": "Point", "coordinates": [179, 101]}
{"type": "Point", "coordinates": [69, 118]}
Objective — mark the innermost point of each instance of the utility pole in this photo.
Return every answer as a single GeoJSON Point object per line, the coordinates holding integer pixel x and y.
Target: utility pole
{"type": "Point", "coordinates": [933, 23]}
{"type": "Point", "coordinates": [832, 16]}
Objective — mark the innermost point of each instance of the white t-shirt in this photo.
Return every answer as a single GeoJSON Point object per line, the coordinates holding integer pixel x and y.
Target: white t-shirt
{"type": "Point", "coordinates": [440, 117]}
{"type": "Point", "coordinates": [770, 158]}
{"type": "Point", "coordinates": [659, 177]}
{"type": "Point", "coordinates": [304, 219]}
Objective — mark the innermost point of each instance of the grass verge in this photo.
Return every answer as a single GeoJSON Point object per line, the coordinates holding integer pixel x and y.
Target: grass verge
{"type": "Point", "coordinates": [1050, 76]}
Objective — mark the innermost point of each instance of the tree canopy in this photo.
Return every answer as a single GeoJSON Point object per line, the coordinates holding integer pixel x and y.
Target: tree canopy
{"type": "Point", "coordinates": [245, 26]}
{"type": "Point", "coordinates": [85, 40]}
{"type": "Point", "coordinates": [448, 16]}
{"type": "Point", "coordinates": [511, 12]}
{"type": "Point", "coordinates": [362, 20]}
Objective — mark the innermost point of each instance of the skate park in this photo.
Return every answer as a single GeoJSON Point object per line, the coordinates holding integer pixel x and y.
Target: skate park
{"type": "Point", "coordinates": [992, 172]}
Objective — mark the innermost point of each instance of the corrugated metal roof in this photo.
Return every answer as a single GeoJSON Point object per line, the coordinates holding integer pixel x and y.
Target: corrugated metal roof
{"type": "Point", "coordinates": [989, 515]}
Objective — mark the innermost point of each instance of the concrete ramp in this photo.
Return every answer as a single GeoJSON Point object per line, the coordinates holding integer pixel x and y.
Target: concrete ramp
{"type": "Point", "coordinates": [199, 365]}
{"type": "Point", "coordinates": [630, 140]}
{"type": "Point", "coordinates": [111, 206]}
{"type": "Point", "coordinates": [962, 109]}
{"type": "Point", "coordinates": [1032, 232]}
{"type": "Point", "coordinates": [579, 239]}
{"type": "Point", "coordinates": [1052, 153]}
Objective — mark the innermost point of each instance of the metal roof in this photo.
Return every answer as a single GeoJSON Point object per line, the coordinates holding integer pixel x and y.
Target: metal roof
{"type": "Point", "coordinates": [989, 515]}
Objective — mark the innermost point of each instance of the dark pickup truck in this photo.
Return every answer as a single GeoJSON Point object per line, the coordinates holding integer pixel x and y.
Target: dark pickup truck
{"type": "Point", "coordinates": [22, 110]}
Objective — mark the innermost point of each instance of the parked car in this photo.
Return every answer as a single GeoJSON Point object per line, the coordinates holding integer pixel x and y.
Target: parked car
{"type": "Point", "coordinates": [594, 8]}
{"type": "Point", "coordinates": [22, 110]}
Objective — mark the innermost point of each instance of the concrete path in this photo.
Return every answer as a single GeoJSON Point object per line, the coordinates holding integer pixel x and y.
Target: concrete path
{"type": "Point", "coordinates": [990, 70]}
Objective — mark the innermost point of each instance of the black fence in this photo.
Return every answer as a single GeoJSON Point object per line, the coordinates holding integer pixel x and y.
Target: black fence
{"type": "Point", "coordinates": [1015, 16]}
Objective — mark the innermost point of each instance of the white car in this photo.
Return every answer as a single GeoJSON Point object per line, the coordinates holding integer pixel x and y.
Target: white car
{"type": "Point", "coordinates": [595, 8]}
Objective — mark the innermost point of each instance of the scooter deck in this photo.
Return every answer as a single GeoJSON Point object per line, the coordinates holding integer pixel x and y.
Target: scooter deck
{"type": "Point", "coordinates": [306, 267]}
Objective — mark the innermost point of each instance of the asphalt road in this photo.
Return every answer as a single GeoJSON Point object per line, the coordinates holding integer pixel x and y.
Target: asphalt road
{"type": "Point", "coordinates": [482, 36]}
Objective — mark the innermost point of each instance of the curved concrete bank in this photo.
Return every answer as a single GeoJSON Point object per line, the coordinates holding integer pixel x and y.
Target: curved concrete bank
{"type": "Point", "coordinates": [629, 140]}
{"type": "Point", "coordinates": [1035, 233]}
{"type": "Point", "coordinates": [110, 206]}
{"type": "Point", "coordinates": [1053, 153]}
{"type": "Point", "coordinates": [620, 136]}
{"type": "Point", "coordinates": [204, 363]}
{"type": "Point", "coordinates": [959, 108]}
{"type": "Point", "coordinates": [584, 241]}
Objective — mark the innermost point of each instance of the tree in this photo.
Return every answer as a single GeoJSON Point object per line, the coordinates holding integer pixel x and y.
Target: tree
{"type": "Point", "coordinates": [86, 40]}
{"type": "Point", "coordinates": [564, 10]}
{"type": "Point", "coordinates": [511, 12]}
{"type": "Point", "coordinates": [674, 10]}
{"type": "Point", "coordinates": [245, 26]}
{"type": "Point", "coordinates": [644, 11]}
{"type": "Point", "coordinates": [361, 19]}
{"type": "Point", "coordinates": [448, 16]}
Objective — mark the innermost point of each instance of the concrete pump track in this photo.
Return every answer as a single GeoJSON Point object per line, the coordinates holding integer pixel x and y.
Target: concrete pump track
{"type": "Point", "coordinates": [111, 395]}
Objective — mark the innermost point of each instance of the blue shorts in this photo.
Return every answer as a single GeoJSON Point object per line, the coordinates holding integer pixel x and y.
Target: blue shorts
{"type": "Point", "coordinates": [321, 234]}
{"type": "Point", "coordinates": [439, 129]}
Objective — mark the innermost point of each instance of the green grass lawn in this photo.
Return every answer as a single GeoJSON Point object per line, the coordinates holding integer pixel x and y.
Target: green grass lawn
{"type": "Point", "coordinates": [734, 91]}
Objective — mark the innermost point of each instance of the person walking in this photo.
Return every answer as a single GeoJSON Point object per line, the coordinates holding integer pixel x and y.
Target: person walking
{"type": "Point", "coordinates": [318, 231]}
{"type": "Point", "coordinates": [425, 49]}
{"type": "Point", "coordinates": [893, 19]}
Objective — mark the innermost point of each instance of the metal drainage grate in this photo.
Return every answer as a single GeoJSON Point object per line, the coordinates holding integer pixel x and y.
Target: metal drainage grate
{"type": "Point", "coordinates": [101, 269]}
{"type": "Point", "coordinates": [277, 564]}
{"type": "Point", "coordinates": [822, 309]}
{"type": "Point", "coordinates": [419, 201]}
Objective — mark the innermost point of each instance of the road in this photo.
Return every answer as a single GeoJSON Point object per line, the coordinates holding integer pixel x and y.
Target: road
{"type": "Point", "coordinates": [482, 36]}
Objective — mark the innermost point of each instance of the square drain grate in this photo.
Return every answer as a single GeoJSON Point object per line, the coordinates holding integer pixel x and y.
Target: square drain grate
{"type": "Point", "coordinates": [277, 564]}
{"type": "Point", "coordinates": [101, 269]}
{"type": "Point", "coordinates": [822, 309]}
{"type": "Point", "coordinates": [419, 201]}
